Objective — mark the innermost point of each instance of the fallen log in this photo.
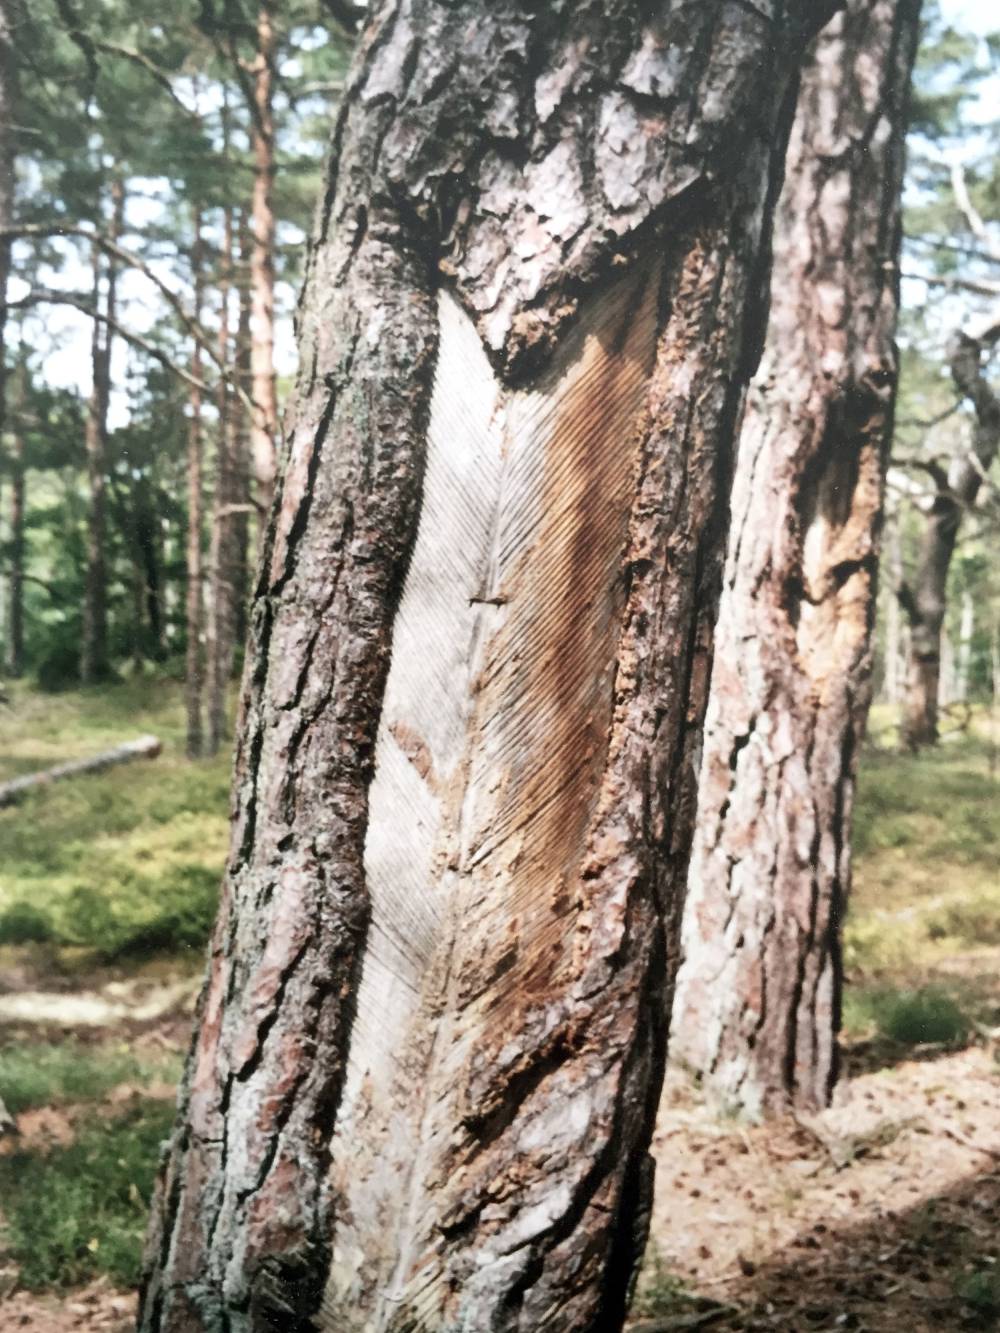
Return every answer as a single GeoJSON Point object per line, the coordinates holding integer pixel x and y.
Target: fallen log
{"type": "Point", "coordinates": [146, 747]}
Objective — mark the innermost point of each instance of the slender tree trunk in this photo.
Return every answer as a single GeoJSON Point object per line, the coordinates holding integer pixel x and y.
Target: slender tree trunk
{"type": "Point", "coordinates": [433, 1029]}
{"type": "Point", "coordinates": [8, 102]}
{"type": "Point", "coordinates": [925, 601]}
{"type": "Point", "coordinates": [224, 553]}
{"type": "Point", "coordinates": [895, 633]}
{"type": "Point", "coordinates": [963, 665]}
{"type": "Point", "coordinates": [948, 678]}
{"type": "Point", "coordinates": [194, 676]}
{"type": "Point", "coordinates": [758, 995]}
{"type": "Point", "coordinates": [94, 662]}
{"type": "Point", "coordinates": [94, 646]}
{"type": "Point", "coordinates": [264, 429]}
{"type": "Point", "coordinates": [242, 447]}
{"type": "Point", "coordinates": [147, 591]}
{"type": "Point", "coordinates": [15, 607]}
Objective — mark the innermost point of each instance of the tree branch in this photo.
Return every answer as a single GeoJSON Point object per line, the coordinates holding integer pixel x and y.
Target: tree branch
{"type": "Point", "coordinates": [191, 325]}
{"type": "Point", "coordinates": [43, 296]}
{"type": "Point", "coordinates": [968, 210]}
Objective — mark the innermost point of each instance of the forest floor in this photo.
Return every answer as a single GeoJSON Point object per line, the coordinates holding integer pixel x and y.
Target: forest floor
{"type": "Point", "coordinates": [881, 1214]}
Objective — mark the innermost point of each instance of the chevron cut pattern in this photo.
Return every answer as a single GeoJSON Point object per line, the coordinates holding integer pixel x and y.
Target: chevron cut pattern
{"type": "Point", "coordinates": [490, 751]}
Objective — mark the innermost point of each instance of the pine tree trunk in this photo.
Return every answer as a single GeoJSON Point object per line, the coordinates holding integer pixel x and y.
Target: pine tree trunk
{"type": "Point", "coordinates": [194, 675]}
{"type": "Point", "coordinates": [94, 662]}
{"type": "Point", "coordinates": [758, 995]}
{"type": "Point", "coordinates": [895, 634]}
{"type": "Point", "coordinates": [925, 603]}
{"type": "Point", "coordinates": [8, 101]}
{"type": "Point", "coordinates": [221, 626]}
{"type": "Point", "coordinates": [264, 429]}
{"type": "Point", "coordinates": [15, 608]}
{"type": "Point", "coordinates": [966, 630]}
{"type": "Point", "coordinates": [241, 450]}
{"type": "Point", "coordinates": [433, 1029]}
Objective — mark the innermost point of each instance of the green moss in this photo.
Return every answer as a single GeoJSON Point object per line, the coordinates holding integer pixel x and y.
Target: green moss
{"type": "Point", "coordinates": [119, 862]}
{"type": "Point", "coordinates": [907, 1017]}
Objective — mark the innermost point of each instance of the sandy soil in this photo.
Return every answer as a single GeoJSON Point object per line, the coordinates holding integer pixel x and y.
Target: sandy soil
{"type": "Point", "coordinates": [875, 1215]}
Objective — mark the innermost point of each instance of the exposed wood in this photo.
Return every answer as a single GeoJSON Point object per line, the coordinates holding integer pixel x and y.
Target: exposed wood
{"type": "Point", "coordinates": [758, 996]}
{"type": "Point", "coordinates": [477, 675]}
{"type": "Point", "coordinates": [146, 747]}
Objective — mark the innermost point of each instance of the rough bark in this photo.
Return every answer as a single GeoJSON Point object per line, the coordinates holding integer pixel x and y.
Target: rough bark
{"type": "Point", "coordinates": [94, 663]}
{"type": "Point", "coordinates": [433, 1027]}
{"type": "Point", "coordinates": [194, 667]}
{"type": "Point", "coordinates": [264, 428]}
{"type": "Point", "coordinates": [758, 995]}
{"type": "Point", "coordinates": [925, 599]}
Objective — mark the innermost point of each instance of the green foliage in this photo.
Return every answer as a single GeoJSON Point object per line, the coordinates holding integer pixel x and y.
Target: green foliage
{"type": "Point", "coordinates": [23, 924]}
{"type": "Point", "coordinates": [74, 1071]}
{"type": "Point", "coordinates": [80, 1211]}
{"type": "Point", "coordinates": [909, 1017]}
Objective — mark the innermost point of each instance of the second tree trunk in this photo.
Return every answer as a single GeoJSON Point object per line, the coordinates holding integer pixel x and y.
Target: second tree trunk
{"type": "Point", "coordinates": [758, 995]}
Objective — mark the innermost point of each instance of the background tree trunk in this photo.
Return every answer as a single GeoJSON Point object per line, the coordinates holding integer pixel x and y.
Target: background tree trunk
{"type": "Point", "coordinates": [264, 429]}
{"type": "Point", "coordinates": [224, 555]}
{"type": "Point", "coordinates": [94, 663]}
{"type": "Point", "coordinates": [8, 102]}
{"type": "Point", "coordinates": [966, 630]}
{"type": "Point", "coordinates": [895, 630]}
{"type": "Point", "coordinates": [432, 1033]}
{"type": "Point", "coordinates": [15, 607]}
{"type": "Point", "coordinates": [925, 601]}
{"type": "Point", "coordinates": [194, 675]}
{"type": "Point", "coordinates": [758, 996]}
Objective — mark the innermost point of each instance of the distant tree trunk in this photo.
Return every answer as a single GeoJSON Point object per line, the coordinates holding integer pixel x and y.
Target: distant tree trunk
{"type": "Point", "coordinates": [433, 1029]}
{"type": "Point", "coordinates": [15, 607]}
{"type": "Point", "coordinates": [966, 630]}
{"type": "Point", "coordinates": [264, 429]}
{"type": "Point", "coordinates": [224, 552]}
{"type": "Point", "coordinates": [895, 633]}
{"type": "Point", "coordinates": [8, 101]}
{"type": "Point", "coordinates": [94, 663]}
{"type": "Point", "coordinates": [758, 995]}
{"type": "Point", "coordinates": [194, 675]}
{"type": "Point", "coordinates": [242, 447]}
{"type": "Point", "coordinates": [925, 600]}
{"type": "Point", "coordinates": [147, 592]}
{"type": "Point", "coordinates": [948, 677]}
